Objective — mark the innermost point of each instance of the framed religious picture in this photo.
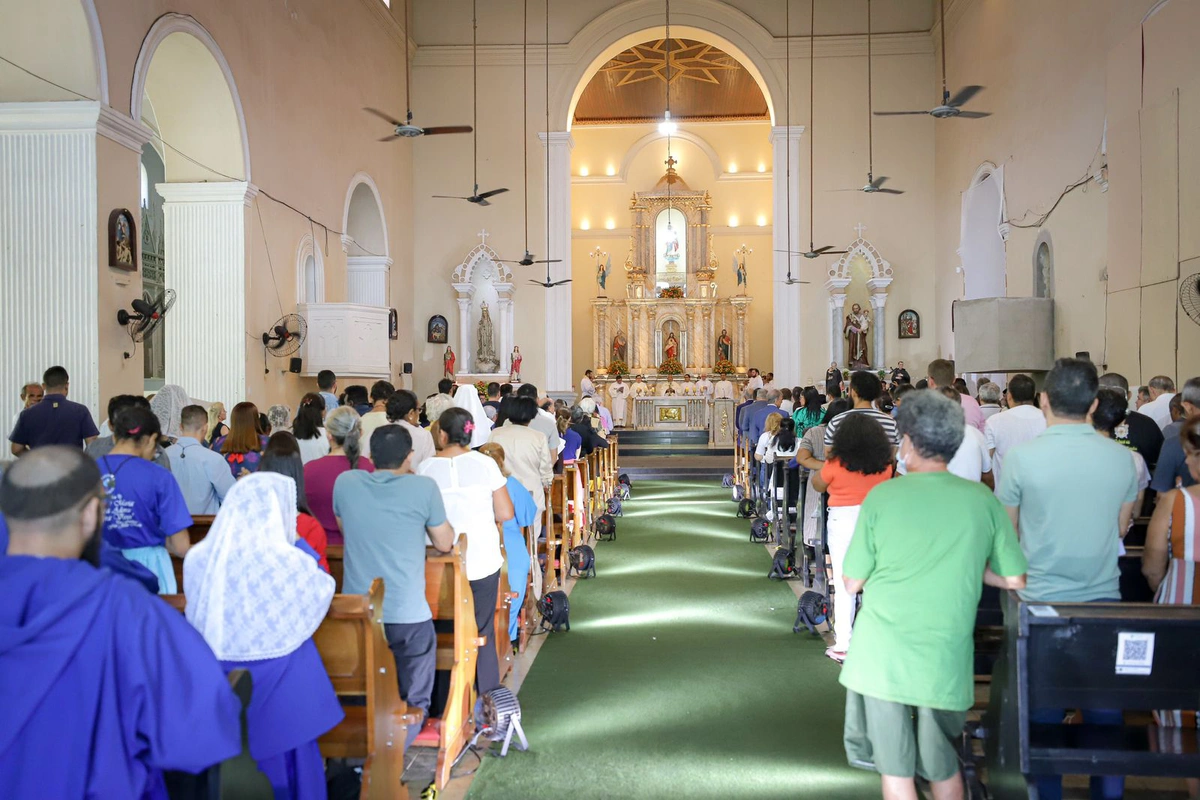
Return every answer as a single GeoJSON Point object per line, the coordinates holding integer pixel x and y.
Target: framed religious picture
{"type": "Point", "coordinates": [910, 324]}
{"type": "Point", "coordinates": [438, 330]}
{"type": "Point", "coordinates": [122, 240]}
{"type": "Point", "coordinates": [393, 324]}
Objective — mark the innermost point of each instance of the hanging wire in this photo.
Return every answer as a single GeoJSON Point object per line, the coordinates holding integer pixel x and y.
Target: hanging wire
{"type": "Point", "coordinates": [787, 181]}
{"type": "Point", "coordinates": [812, 165]}
{"type": "Point", "coordinates": [870, 116]}
{"type": "Point", "coordinates": [525, 110]}
{"type": "Point", "coordinates": [547, 140]}
{"type": "Point", "coordinates": [667, 76]}
{"type": "Point", "coordinates": [407, 83]}
{"type": "Point", "coordinates": [474, 97]}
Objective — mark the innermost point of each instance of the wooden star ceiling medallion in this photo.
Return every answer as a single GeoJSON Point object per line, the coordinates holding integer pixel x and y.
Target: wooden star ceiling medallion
{"type": "Point", "coordinates": [706, 83]}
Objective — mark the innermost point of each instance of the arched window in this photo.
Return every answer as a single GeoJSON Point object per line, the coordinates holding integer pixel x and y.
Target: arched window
{"type": "Point", "coordinates": [145, 187]}
{"type": "Point", "coordinates": [310, 280]}
{"type": "Point", "coordinates": [1043, 268]}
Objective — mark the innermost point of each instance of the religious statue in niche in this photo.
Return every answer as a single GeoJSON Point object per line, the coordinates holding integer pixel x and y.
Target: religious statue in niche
{"type": "Point", "coordinates": [448, 360]}
{"type": "Point", "coordinates": [485, 359]}
{"type": "Point", "coordinates": [910, 324]}
{"type": "Point", "coordinates": [437, 330]}
{"type": "Point", "coordinates": [602, 271]}
{"type": "Point", "coordinates": [620, 347]}
{"type": "Point", "coordinates": [122, 246]}
{"type": "Point", "coordinates": [724, 346]}
{"type": "Point", "coordinates": [514, 365]}
{"type": "Point", "coordinates": [855, 331]}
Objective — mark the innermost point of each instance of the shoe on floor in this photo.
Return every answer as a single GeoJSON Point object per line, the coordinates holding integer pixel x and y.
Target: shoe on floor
{"type": "Point", "coordinates": [837, 655]}
{"type": "Point", "coordinates": [430, 735]}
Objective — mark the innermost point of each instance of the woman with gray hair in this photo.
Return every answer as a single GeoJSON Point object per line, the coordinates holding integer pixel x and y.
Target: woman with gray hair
{"type": "Point", "coordinates": [280, 417]}
{"type": "Point", "coordinates": [343, 427]}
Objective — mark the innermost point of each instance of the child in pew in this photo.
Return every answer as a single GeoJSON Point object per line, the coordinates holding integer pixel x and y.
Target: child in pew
{"type": "Point", "coordinates": [516, 550]}
{"type": "Point", "coordinates": [257, 600]}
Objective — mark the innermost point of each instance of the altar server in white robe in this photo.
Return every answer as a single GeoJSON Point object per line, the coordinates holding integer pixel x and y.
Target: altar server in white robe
{"type": "Point", "coordinates": [617, 393]}
{"type": "Point", "coordinates": [640, 388]}
{"type": "Point", "coordinates": [688, 387]}
{"type": "Point", "coordinates": [704, 387]}
{"type": "Point", "coordinates": [586, 387]}
{"type": "Point", "coordinates": [723, 389]}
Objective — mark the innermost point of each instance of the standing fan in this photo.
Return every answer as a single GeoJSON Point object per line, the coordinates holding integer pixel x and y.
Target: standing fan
{"type": "Point", "coordinates": [285, 336]}
{"type": "Point", "coordinates": [147, 314]}
{"type": "Point", "coordinates": [1189, 297]}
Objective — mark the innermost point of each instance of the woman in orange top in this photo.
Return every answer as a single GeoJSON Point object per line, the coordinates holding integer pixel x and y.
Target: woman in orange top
{"type": "Point", "coordinates": [858, 461]}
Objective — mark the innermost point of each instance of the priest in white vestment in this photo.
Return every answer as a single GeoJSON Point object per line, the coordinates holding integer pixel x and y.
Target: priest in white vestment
{"type": "Point", "coordinates": [617, 393]}
{"type": "Point", "coordinates": [688, 387]}
{"type": "Point", "coordinates": [670, 388]}
{"type": "Point", "coordinates": [723, 389]}
{"type": "Point", "coordinates": [704, 387]}
{"type": "Point", "coordinates": [640, 388]}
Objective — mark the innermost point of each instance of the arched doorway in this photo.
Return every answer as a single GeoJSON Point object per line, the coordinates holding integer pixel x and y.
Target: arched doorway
{"type": "Point", "coordinates": [366, 244]}
{"type": "Point", "coordinates": [183, 89]}
{"type": "Point", "coordinates": [981, 237]}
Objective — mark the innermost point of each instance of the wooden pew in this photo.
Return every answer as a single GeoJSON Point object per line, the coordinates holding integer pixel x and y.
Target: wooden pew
{"type": "Point", "coordinates": [449, 596]}
{"type": "Point", "coordinates": [362, 670]}
{"type": "Point", "coordinates": [554, 546]}
{"type": "Point", "coordinates": [196, 533]}
{"type": "Point", "coordinates": [581, 503]}
{"type": "Point", "coordinates": [528, 611]}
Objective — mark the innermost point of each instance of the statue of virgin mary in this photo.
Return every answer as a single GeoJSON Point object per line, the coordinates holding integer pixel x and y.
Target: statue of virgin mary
{"type": "Point", "coordinates": [485, 343]}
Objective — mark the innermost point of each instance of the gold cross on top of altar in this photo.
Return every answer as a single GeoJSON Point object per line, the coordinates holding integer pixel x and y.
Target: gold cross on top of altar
{"type": "Point", "coordinates": [670, 162]}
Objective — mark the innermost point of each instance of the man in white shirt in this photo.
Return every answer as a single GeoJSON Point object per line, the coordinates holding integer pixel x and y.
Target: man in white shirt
{"type": "Point", "coordinates": [989, 400]}
{"type": "Point", "coordinates": [972, 461]}
{"type": "Point", "coordinates": [618, 391]}
{"type": "Point", "coordinates": [688, 387]}
{"type": "Point", "coordinates": [1162, 389]}
{"type": "Point", "coordinates": [755, 381]}
{"type": "Point", "coordinates": [704, 387]}
{"type": "Point", "coordinates": [403, 409]}
{"type": "Point", "coordinates": [640, 388]}
{"type": "Point", "coordinates": [723, 389]}
{"type": "Point", "coordinates": [545, 422]}
{"type": "Point", "coordinates": [201, 473]}
{"type": "Point", "coordinates": [769, 383]}
{"type": "Point", "coordinates": [586, 387]}
{"type": "Point", "coordinates": [1022, 422]}
{"type": "Point", "coordinates": [377, 416]}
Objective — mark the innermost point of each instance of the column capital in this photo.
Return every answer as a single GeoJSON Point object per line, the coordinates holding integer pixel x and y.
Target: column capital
{"type": "Point", "coordinates": [50, 117]}
{"type": "Point", "coordinates": [123, 129]}
{"type": "Point", "coordinates": [780, 132]}
{"type": "Point", "coordinates": [557, 138]}
{"type": "Point", "coordinates": [368, 264]}
{"type": "Point", "coordinates": [878, 301]}
{"type": "Point", "coordinates": [837, 301]}
{"type": "Point", "coordinates": [215, 192]}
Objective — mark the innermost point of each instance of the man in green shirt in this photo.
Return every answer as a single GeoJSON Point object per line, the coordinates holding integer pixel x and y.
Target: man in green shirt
{"type": "Point", "coordinates": [1070, 493]}
{"type": "Point", "coordinates": [909, 669]}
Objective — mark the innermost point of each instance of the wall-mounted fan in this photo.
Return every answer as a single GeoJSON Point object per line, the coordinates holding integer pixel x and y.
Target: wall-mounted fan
{"type": "Point", "coordinates": [1189, 296]}
{"type": "Point", "coordinates": [286, 335]}
{"type": "Point", "coordinates": [147, 314]}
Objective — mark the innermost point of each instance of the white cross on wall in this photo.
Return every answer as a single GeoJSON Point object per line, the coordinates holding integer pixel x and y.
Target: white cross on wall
{"type": "Point", "coordinates": [860, 228]}
{"type": "Point", "coordinates": [483, 234]}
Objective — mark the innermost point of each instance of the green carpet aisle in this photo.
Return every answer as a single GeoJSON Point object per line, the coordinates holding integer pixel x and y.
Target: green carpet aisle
{"type": "Point", "coordinates": [681, 676]}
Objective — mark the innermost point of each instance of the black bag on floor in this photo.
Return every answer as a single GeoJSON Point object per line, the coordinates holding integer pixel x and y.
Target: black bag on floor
{"type": "Point", "coordinates": [760, 530]}
{"type": "Point", "coordinates": [811, 611]}
{"type": "Point", "coordinates": [555, 611]}
{"type": "Point", "coordinates": [624, 478]}
{"type": "Point", "coordinates": [606, 528]}
{"type": "Point", "coordinates": [583, 561]}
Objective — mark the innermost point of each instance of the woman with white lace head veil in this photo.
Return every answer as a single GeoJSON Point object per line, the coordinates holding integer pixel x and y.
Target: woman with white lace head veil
{"type": "Point", "coordinates": [257, 599]}
{"type": "Point", "coordinates": [467, 398]}
{"type": "Point", "coordinates": [168, 405]}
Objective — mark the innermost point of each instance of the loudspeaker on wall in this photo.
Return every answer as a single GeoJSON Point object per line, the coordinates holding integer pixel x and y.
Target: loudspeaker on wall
{"type": "Point", "coordinates": [295, 365]}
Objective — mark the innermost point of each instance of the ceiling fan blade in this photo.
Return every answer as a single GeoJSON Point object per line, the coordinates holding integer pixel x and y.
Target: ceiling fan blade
{"type": "Point", "coordinates": [547, 261]}
{"type": "Point", "coordinates": [560, 283]}
{"type": "Point", "coordinates": [822, 250]}
{"type": "Point", "coordinates": [964, 95]}
{"type": "Point", "coordinates": [447, 129]}
{"type": "Point", "coordinates": [836, 190]}
{"type": "Point", "coordinates": [880, 181]}
{"type": "Point", "coordinates": [889, 191]}
{"type": "Point", "coordinates": [448, 197]}
{"type": "Point", "coordinates": [492, 193]}
{"type": "Point", "coordinates": [479, 202]}
{"type": "Point", "coordinates": [973, 114]}
{"type": "Point", "coordinates": [897, 113]}
{"type": "Point", "coordinates": [538, 283]}
{"type": "Point", "coordinates": [391, 138]}
{"type": "Point", "coordinates": [384, 116]}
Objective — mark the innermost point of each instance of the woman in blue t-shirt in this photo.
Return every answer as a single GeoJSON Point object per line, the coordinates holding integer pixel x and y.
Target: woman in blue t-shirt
{"type": "Point", "coordinates": [145, 516]}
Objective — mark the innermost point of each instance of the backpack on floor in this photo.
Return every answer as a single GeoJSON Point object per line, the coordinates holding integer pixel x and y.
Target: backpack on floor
{"type": "Point", "coordinates": [583, 561]}
{"type": "Point", "coordinates": [624, 478]}
{"type": "Point", "coordinates": [727, 481]}
{"type": "Point", "coordinates": [555, 611]}
{"type": "Point", "coordinates": [811, 611]}
{"type": "Point", "coordinates": [606, 528]}
{"type": "Point", "coordinates": [783, 565]}
{"type": "Point", "coordinates": [760, 530]}
{"type": "Point", "coordinates": [623, 491]}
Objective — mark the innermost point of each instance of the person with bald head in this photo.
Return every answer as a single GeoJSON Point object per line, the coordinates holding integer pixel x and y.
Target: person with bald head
{"type": "Point", "coordinates": [103, 685]}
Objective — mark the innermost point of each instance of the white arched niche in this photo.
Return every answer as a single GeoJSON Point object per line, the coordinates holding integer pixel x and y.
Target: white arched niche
{"type": "Point", "coordinates": [861, 275]}
{"type": "Point", "coordinates": [982, 235]}
{"type": "Point", "coordinates": [365, 242]}
{"type": "Point", "coordinates": [483, 278]}
{"type": "Point", "coordinates": [310, 272]}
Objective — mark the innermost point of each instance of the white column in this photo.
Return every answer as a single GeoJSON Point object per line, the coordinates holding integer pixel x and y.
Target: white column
{"type": "Point", "coordinates": [463, 353]}
{"type": "Point", "coordinates": [878, 322]}
{"type": "Point", "coordinates": [49, 269]}
{"type": "Point", "coordinates": [205, 242]}
{"type": "Point", "coordinates": [504, 299]}
{"type": "Point", "coordinates": [367, 280]}
{"type": "Point", "coordinates": [558, 299]}
{"type": "Point", "coordinates": [837, 315]}
{"type": "Point", "coordinates": [788, 350]}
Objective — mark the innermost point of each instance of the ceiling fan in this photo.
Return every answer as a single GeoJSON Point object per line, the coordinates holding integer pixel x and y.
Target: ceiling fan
{"type": "Point", "coordinates": [527, 260]}
{"type": "Point", "coordinates": [549, 283]}
{"type": "Point", "coordinates": [477, 197]}
{"type": "Point", "coordinates": [873, 185]}
{"type": "Point", "coordinates": [813, 251]}
{"type": "Point", "coordinates": [406, 129]}
{"type": "Point", "coordinates": [951, 106]}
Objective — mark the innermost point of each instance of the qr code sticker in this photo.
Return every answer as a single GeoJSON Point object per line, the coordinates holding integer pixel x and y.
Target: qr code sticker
{"type": "Point", "coordinates": [1135, 653]}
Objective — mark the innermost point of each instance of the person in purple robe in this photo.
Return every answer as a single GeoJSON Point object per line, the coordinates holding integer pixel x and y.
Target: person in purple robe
{"type": "Point", "coordinates": [103, 686]}
{"type": "Point", "coordinates": [257, 598]}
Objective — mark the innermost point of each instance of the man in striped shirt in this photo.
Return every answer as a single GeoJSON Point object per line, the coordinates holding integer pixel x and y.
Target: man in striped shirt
{"type": "Point", "coordinates": [865, 389]}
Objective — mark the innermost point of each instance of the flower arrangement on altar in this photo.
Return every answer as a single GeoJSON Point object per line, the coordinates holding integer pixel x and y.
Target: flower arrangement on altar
{"type": "Point", "coordinates": [618, 367]}
{"type": "Point", "coordinates": [671, 292]}
{"type": "Point", "coordinates": [724, 367]}
{"type": "Point", "coordinates": [481, 387]}
{"type": "Point", "coordinates": [670, 366]}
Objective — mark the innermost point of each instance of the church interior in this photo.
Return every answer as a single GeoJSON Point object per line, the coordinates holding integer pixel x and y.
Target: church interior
{"type": "Point", "coordinates": [626, 203]}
